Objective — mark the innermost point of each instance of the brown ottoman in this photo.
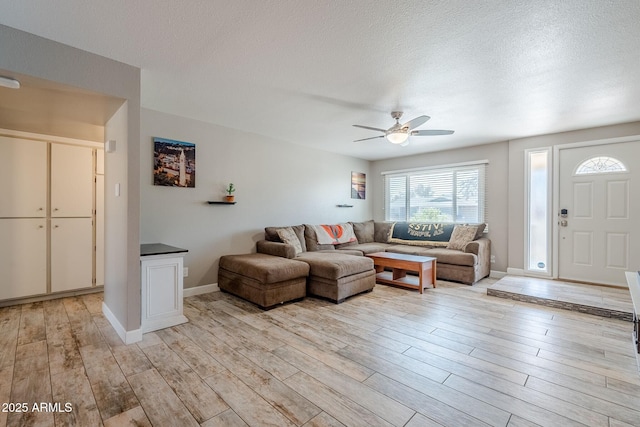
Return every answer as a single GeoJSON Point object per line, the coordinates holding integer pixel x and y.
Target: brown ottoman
{"type": "Point", "coordinates": [265, 280]}
{"type": "Point", "coordinates": [337, 276]}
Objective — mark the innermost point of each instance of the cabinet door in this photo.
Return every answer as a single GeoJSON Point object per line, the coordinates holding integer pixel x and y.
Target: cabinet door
{"type": "Point", "coordinates": [71, 181]}
{"type": "Point", "coordinates": [100, 230]}
{"type": "Point", "coordinates": [23, 175]}
{"type": "Point", "coordinates": [71, 253]}
{"type": "Point", "coordinates": [161, 281]}
{"type": "Point", "coordinates": [23, 257]}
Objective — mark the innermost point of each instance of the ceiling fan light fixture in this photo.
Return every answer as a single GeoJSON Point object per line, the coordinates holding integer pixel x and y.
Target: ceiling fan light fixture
{"type": "Point", "coordinates": [399, 134]}
{"type": "Point", "coordinates": [397, 137]}
{"type": "Point", "coordinates": [9, 82]}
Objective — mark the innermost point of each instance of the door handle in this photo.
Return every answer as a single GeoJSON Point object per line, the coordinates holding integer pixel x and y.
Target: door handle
{"type": "Point", "coordinates": [563, 223]}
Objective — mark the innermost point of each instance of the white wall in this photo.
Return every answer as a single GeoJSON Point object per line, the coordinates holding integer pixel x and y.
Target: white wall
{"type": "Point", "coordinates": [497, 189]}
{"type": "Point", "coordinates": [117, 296]}
{"type": "Point", "coordinates": [277, 183]}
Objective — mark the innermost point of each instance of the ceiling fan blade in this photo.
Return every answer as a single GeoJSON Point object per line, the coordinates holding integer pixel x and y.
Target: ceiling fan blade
{"type": "Point", "coordinates": [370, 128]}
{"type": "Point", "coordinates": [430, 132]}
{"type": "Point", "coordinates": [366, 139]}
{"type": "Point", "coordinates": [418, 121]}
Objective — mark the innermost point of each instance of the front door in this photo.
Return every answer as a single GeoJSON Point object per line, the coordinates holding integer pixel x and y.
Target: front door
{"type": "Point", "coordinates": [599, 218]}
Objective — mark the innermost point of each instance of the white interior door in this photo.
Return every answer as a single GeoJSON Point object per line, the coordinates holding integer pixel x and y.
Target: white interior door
{"type": "Point", "coordinates": [599, 239]}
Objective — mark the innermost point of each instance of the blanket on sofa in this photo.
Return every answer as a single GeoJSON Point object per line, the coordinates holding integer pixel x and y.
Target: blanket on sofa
{"type": "Point", "coordinates": [421, 234]}
{"type": "Point", "coordinates": [334, 234]}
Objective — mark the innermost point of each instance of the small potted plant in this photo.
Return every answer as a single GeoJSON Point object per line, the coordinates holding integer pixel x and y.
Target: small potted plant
{"type": "Point", "coordinates": [230, 190]}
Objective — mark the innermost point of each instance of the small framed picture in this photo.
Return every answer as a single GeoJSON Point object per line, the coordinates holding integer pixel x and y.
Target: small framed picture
{"type": "Point", "coordinates": [358, 185]}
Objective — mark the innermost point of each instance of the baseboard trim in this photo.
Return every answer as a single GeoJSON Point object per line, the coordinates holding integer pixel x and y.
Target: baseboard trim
{"type": "Point", "coordinates": [515, 271]}
{"type": "Point", "coordinates": [494, 274]}
{"type": "Point", "coordinates": [127, 337]}
{"type": "Point", "coordinates": [164, 323]}
{"type": "Point", "coordinates": [199, 290]}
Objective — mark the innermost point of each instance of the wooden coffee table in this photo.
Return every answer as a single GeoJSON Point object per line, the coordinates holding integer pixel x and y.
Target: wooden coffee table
{"type": "Point", "coordinates": [400, 264]}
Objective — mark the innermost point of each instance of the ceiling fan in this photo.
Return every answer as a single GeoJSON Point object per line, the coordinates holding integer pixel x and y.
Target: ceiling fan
{"type": "Point", "coordinates": [400, 133]}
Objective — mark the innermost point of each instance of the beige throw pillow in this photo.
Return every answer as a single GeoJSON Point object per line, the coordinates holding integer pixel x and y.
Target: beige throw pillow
{"type": "Point", "coordinates": [288, 236]}
{"type": "Point", "coordinates": [462, 234]}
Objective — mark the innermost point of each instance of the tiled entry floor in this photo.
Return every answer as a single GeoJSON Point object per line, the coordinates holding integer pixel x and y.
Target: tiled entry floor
{"type": "Point", "coordinates": [604, 301]}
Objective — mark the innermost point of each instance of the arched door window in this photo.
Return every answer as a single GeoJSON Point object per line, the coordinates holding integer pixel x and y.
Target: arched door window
{"type": "Point", "coordinates": [600, 164]}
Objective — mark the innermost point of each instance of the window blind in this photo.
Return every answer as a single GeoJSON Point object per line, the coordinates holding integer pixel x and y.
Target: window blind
{"type": "Point", "coordinates": [450, 194]}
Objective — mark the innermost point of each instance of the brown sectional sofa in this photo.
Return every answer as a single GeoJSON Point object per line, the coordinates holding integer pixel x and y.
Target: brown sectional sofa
{"type": "Point", "coordinates": [467, 265]}
{"type": "Point", "coordinates": [280, 272]}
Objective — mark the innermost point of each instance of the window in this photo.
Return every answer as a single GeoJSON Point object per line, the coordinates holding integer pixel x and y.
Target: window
{"type": "Point", "coordinates": [538, 230]}
{"type": "Point", "coordinates": [454, 194]}
{"type": "Point", "coordinates": [600, 165]}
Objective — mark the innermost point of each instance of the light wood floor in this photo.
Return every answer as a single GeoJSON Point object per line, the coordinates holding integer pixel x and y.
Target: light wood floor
{"type": "Point", "coordinates": [453, 356]}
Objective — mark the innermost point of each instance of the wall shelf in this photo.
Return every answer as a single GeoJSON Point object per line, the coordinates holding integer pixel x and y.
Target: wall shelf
{"type": "Point", "coordinates": [221, 203]}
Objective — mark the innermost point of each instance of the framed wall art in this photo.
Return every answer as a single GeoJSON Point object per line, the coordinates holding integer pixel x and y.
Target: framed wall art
{"type": "Point", "coordinates": [358, 185]}
{"type": "Point", "coordinates": [174, 163]}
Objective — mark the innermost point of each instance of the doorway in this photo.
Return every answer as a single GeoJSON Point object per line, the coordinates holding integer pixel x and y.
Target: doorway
{"type": "Point", "coordinates": [598, 231]}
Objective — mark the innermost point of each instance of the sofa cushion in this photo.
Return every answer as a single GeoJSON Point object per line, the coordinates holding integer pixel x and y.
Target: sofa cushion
{"type": "Point", "coordinates": [443, 255]}
{"type": "Point", "coordinates": [481, 228]}
{"type": "Point", "coordinates": [346, 250]}
{"type": "Point", "coordinates": [364, 231]}
{"type": "Point", "coordinates": [311, 240]}
{"type": "Point", "coordinates": [407, 250]}
{"type": "Point", "coordinates": [451, 256]}
{"type": "Point", "coordinates": [366, 248]}
{"type": "Point", "coordinates": [288, 236]}
{"type": "Point", "coordinates": [335, 265]}
{"type": "Point", "coordinates": [264, 268]}
{"type": "Point", "coordinates": [381, 231]}
{"type": "Point", "coordinates": [271, 234]}
{"type": "Point", "coordinates": [462, 234]}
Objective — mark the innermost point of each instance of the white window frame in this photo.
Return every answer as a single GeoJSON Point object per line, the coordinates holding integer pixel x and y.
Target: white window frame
{"type": "Point", "coordinates": [548, 271]}
{"type": "Point", "coordinates": [480, 164]}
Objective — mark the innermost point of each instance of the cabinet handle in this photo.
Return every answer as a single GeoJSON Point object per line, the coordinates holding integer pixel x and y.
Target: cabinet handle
{"type": "Point", "coordinates": [41, 226]}
{"type": "Point", "coordinates": [55, 209]}
{"type": "Point", "coordinates": [56, 226]}
{"type": "Point", "coordinates": [40, 209]}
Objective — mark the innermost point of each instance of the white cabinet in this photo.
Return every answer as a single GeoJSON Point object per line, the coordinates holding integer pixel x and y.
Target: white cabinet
{"type": "Point", "coordinates": [23, 257]}
{"type": "Point", "coordinates": [161, 280]}
{"type": "Point", "coordinates": [48, 210]}
{"type": "Point", "coordinates": [23, 174]}
{"type": "Point", "coordinates": [71, 253]}
{"type": "Point", "coordinates": [71, 181]}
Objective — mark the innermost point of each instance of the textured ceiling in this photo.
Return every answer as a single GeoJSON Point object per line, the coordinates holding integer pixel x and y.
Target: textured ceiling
{"type": "Point", "coordinates": [305, 71]}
